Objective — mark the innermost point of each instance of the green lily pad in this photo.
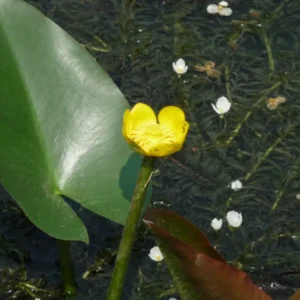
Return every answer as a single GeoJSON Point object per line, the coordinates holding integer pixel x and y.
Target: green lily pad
{"type": "Point", "coordinates": [60, 134]}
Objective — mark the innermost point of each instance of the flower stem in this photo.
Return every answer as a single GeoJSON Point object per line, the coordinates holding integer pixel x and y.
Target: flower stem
{"type": "Point", "coordinates": [67, 268]}
{"type": "Point", "coordinates": [129, 232]}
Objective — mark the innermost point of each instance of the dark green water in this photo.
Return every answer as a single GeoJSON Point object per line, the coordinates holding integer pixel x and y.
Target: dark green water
{"type": "Point", "coordinates": [259, 58]}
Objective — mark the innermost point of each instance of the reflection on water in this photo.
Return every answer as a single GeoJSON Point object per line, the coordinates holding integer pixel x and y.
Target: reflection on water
{"type": "Point", "coordinates": [249, 57]}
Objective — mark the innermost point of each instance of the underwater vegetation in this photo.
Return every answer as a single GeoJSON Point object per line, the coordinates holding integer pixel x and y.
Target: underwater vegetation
{"type": "Point", "coordinates": [239, 88]}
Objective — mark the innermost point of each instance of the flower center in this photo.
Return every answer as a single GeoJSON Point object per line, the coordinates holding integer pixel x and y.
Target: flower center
{"type": "Point", "coordinates": [220, 7]}
{"type": "Point", "coordinates": [150, 136]}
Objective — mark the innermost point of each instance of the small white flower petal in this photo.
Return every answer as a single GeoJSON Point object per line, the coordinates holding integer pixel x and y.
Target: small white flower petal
{"type": "Point", "coordinates": [226, 11]}
{"type": "Point", "coordinates": [223, 3]}
{"type": "Point", "coordinates": [212, 9]}
{"type": "Point", "coordinates": [223, 105]}
{"type": "Point", "coordinates": [236, 185]}
{"type": "Point", "coordinates": [174, 67]}
{"type": "Point", "coordinates": [215, 109]}
{"type": "Point", "coordinates": [180, 66]}
{"type": "Point", "coordinates": [234, 218]}
{"type": "Point", "coordinates": [180, 63]}
{"type": "Point", "coordinates": [216, 224]}
{"type": "Point", "coordinates": [155, 254]}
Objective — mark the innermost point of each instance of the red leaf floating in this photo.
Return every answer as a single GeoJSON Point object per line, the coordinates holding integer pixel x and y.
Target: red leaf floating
{"type": "Point", "coordinates": [205, 270]}
{"type": "Point", "coordinates": [296, 296]}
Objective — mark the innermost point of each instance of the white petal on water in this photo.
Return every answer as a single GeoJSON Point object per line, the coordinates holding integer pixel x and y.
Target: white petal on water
{"type": "Point", "coordinates": [212, 9]}
{"type": "Point", "coordinates": [225, 11]}
{"type": "Point", "coordinates": [223, 3]}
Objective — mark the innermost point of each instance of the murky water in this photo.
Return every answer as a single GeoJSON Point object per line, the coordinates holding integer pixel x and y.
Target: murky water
{"type": "Point", "coordinates": [256, 52]}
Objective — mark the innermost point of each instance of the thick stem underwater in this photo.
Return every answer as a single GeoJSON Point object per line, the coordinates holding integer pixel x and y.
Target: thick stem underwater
{"type": "Point", "coordinates": [129, 232]}
{"type": "Point", "coordinates": [67, 268]}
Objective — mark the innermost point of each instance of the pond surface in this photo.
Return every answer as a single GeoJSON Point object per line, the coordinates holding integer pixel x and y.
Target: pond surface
{"type": "Point", "coordinates": [256, 52]}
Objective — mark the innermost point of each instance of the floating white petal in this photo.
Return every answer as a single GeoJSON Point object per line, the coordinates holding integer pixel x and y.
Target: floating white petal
{"type": "Point", "coordinates": [180, 66]}
{"type": "Point", "coordinates": [216, 224]}
{"type": "Point", "coordinates": [155, 254]}
{"type": "Point", "coordinates": [212, 9]}
{"type": "Point", "coordinates": [236, 185]}
{"type": "Point", "coordinates": [223, 3]}
{"type": "Point", "coordinates": [222, 106]}
{"type": "Point", "coordinates": [221, 9]}
{"type": "Point", "coordinates": [234, 218]}
{"type": "Point", "coordinates": [226, 11]}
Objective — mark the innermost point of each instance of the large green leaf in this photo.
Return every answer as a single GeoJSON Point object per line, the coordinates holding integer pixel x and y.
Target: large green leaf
{"type": "Point", "coordinates": [60, 133]}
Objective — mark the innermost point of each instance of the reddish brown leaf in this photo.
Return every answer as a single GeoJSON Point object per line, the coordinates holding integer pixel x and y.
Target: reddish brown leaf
{"type": "Point", "coordinates": [296, 296]}
{"type": "Point", "coordinates": [210, 277]}
{"type": "Point", "coordinates": [182, 229]}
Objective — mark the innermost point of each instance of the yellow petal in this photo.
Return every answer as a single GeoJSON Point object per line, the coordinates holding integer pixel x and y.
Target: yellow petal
{"type": "Point", "coordinates": [162, 150]}
{"type": "Point", "coordinates": [173, 118]}
{"type": "Point", "coordinates": [141, 115]}
{"type": "Point", "coordinates": [126, 123]}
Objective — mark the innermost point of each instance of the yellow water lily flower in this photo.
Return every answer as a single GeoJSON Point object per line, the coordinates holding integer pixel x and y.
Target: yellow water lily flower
{"type": "Point", "coordinates": [155, 136]}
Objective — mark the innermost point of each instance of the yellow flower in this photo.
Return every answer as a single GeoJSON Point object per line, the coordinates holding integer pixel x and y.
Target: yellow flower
{"type": "Point", "coordinates": [155, 136]}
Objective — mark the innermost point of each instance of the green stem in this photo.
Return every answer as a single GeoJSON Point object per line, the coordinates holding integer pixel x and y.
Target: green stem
{"type": "Point", "coordinates": [284, 185]}
{"type": "Point", "coordinates": [227, 83]}
{"type": "Point", "coordinates": [236, 131]}
{"type": "Point", "coordinates": [278, 9]}
{"type": "Point", "coordinates": [129, 232]}
{"type": "Point", "coordinates": [279, 196]}
{"type": "Point", "coordinates": [264, 156]}
{"type": "Point", "coordinates": [267, 44]}
{"type": "Point", "coordinates": [67, 269]}
{"type": "Point", "coordinates": [259, 162]}
{"type": "Point", "coordinates": [126, 12]}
